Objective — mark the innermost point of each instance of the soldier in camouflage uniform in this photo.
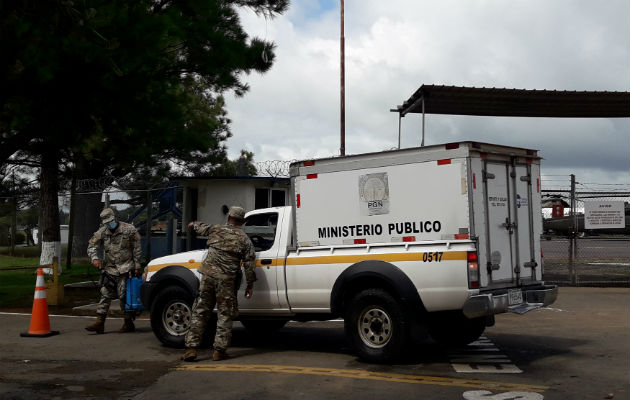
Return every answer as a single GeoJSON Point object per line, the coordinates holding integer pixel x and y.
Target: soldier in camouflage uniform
{"type": "Point", "coordinates": [121, 248]}
{"type": "Point", "coordinates": [228, 247]}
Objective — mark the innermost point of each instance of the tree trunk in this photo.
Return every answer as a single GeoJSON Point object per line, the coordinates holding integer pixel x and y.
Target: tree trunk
{"type": "Point", "coordinates": [88, 208]}
{"type": "Point", "coordinates": [49, 203]}
{"type": "Point", "coordinates": [88, 205]}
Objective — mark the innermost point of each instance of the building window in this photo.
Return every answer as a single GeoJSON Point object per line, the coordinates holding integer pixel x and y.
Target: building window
{"type": "Point", "coordinates": [262, 198]}
{"type": "Point", "coordinates": [270, 198]}
{"type": "Point", "coordinates": [277, 198]}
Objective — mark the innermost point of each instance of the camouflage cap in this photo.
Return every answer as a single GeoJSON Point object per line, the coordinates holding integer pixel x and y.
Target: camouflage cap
{"type": "Point", "coordinates": [237, 213]}
{"type": "Point", "coordinates": [107, 215]}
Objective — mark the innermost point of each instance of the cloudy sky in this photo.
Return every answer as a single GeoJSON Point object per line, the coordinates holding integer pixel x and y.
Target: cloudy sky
{"type": "Point", "coordinates": [395, 46]}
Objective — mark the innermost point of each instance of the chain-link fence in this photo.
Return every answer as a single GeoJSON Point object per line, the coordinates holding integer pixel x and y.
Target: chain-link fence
{"type": "Point", "coordinates": [574, 253]}
{"type": "Point", "coordinates": [159, 204]}
{"type": "Point", "coordinates": [155, 212]}
{"type": "Point", "coordinates": [579, 247]}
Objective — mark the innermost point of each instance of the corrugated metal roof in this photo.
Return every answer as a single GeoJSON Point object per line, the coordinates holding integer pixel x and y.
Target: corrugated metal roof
{"type": "Point", "coordinates": [459, 100]}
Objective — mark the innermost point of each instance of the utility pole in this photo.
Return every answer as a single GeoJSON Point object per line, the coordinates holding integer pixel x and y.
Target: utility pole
{"type": "Point", "coordinates": [343, 86]}
{"type": "Point", "coordinates": [573, 235]}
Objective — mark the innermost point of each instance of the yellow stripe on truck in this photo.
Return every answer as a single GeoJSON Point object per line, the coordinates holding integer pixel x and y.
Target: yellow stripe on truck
{"type": "Point", "coordinates": [391, 257]}
{"type": "Point", "coordinates": [189, 265]}
{"type": "Point", "coordinates": [341, 259]}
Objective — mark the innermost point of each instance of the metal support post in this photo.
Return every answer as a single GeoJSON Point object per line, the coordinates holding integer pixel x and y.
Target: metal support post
{"type": "Point", "coordinates": [422, 142]}
{"type": "Point", "coordinates": [169, 235]}
{"type": "Point", "coordinates": [399, 123]}
{"type": "Point", "coordinates": [573, 235]}
{"type": "Point", "coordinates": [148, 225]}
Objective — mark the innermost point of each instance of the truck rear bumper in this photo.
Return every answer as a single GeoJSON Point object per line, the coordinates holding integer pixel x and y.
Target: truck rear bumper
{"type": "Point", "coordinates": [486, 304]}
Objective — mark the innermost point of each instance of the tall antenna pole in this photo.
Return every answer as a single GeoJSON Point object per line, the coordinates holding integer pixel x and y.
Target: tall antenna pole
{"type": "Point", "coordinates": [343, 88]}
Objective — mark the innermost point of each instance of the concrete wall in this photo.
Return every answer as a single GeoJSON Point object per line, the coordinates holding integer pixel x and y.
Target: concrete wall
{"type": "Point", "coordinates": [212, 195]}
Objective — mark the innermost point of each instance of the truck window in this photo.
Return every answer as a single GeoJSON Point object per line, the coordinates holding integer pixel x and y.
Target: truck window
{"type": "Point", "coordinates": [261, 229]}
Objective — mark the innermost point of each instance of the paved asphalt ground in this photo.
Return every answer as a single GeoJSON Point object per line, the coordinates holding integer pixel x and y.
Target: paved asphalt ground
{"type": "Point", "coordinates": [579, 348]}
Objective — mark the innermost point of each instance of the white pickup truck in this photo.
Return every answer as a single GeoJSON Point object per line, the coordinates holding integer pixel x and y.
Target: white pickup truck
{"type": "Point", "coordinates": [441, 237]}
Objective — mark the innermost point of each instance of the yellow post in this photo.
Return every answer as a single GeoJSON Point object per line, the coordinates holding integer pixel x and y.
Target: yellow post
{"type": "Point", "coordinates": [54, 288]}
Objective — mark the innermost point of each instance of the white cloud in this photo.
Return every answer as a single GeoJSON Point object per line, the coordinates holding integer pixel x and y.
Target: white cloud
{"type": "Point", "coordinates": [393, 47]}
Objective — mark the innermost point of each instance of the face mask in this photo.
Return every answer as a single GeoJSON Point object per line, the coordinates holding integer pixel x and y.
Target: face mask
{"type": "Point", "coordinates": [112, 225]}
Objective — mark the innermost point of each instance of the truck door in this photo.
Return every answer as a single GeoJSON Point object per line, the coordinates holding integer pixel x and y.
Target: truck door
{"type": "Point", "coordinates": [526, 249]}
{"type": "Point", "coordinates": [510, 249]}
{"type": "Point", "coordinates": [499, 222]}
{"type": "Point", "coordinates": [263, 231]}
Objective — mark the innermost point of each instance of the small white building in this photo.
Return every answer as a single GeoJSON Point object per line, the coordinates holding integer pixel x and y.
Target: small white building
{"type": "Point", "coordinates": [208, 199]}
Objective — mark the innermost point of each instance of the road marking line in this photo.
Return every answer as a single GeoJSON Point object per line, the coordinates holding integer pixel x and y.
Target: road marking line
{"type": "Point", "coordinates": [361, 374]}
{"type": "Point", "coordinates": [59, 315]}
{"type": "Point", "coordinates": [482, 356]}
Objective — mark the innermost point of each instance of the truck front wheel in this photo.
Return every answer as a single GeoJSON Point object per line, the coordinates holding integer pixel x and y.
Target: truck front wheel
{"type": "Point", "coordinates": [171, 313]}
{"type": "Point", "coordinates": [452, 328]}
{"type": "Point", "coordinates": [375, 326]}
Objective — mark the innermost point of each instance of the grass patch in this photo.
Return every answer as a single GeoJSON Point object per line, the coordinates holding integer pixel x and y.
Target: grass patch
{"type": "Point", "coordinates": [17, 286]}
{"type": "Point", "coordinates": [25, 251]}
{"type": "Point", "coordinates": [8, 261]}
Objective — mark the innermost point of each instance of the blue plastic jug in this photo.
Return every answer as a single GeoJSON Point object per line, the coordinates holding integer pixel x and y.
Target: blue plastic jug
{"type": "Point", "coordinates": [133, 302]}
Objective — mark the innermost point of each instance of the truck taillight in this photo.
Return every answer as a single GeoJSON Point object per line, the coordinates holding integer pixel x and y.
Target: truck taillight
{"type": "Point", "coordinates": [473, 270]}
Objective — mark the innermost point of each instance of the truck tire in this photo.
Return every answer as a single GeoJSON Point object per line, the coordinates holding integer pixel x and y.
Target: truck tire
{"type": "Point", "coordinates": [171, 313]}
{"type": "Point", "coordinates": [375, 326]}
{"type": "Point", "coordinates": [452, 328]}
{"type": "Point", "coordinates": [262, 328]}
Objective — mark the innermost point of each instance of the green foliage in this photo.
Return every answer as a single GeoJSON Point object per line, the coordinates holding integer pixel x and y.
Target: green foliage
{"type": "Point", "coordinates": [18, 261]}
{"type": "Point", "coordinates": [124, 84]}
{"type": "Point", "coordinates": [242, 166]}
{"type": "Point", "coordinates": [17, 285]}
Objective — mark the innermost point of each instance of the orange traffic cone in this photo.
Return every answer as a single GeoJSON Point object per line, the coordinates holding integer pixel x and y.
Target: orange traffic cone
{"type": "Point", "coordinates": [40, 323]}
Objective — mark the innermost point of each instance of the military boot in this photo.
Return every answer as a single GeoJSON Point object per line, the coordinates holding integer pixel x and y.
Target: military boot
{"type": "Point", "coordinates": [128, 326]}
{"type": "Point", "coordinates": [219, 355]}
{"type": "Point", "coordinates": [190, 355]}
{"type": "Point", "coordinates": [98, 326]}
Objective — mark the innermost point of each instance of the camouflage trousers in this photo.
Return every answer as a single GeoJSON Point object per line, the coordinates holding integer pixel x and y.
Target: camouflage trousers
{"type": "Point", "coordinates": [113, 287]}
{"type": "Point", "coordinates": [219, 292]}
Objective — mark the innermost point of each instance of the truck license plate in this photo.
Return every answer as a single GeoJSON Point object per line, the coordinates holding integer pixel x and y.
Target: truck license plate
{"type": "Point", "coordinates": [515, 296]}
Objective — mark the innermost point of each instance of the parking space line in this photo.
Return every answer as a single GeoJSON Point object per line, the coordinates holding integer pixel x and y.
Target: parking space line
{"type": "Point", "coordinates": [482, 356]}
{"type": "Point", "coordinates": [362, 374]}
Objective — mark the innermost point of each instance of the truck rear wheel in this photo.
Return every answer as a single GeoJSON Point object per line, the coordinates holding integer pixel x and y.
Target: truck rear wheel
{"type": "Point", "coordinates": [375, 326]}
{"type": "Point", "coordinates": [452, 328]}
{"type": "Point", "coordinates": [171, 313]}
